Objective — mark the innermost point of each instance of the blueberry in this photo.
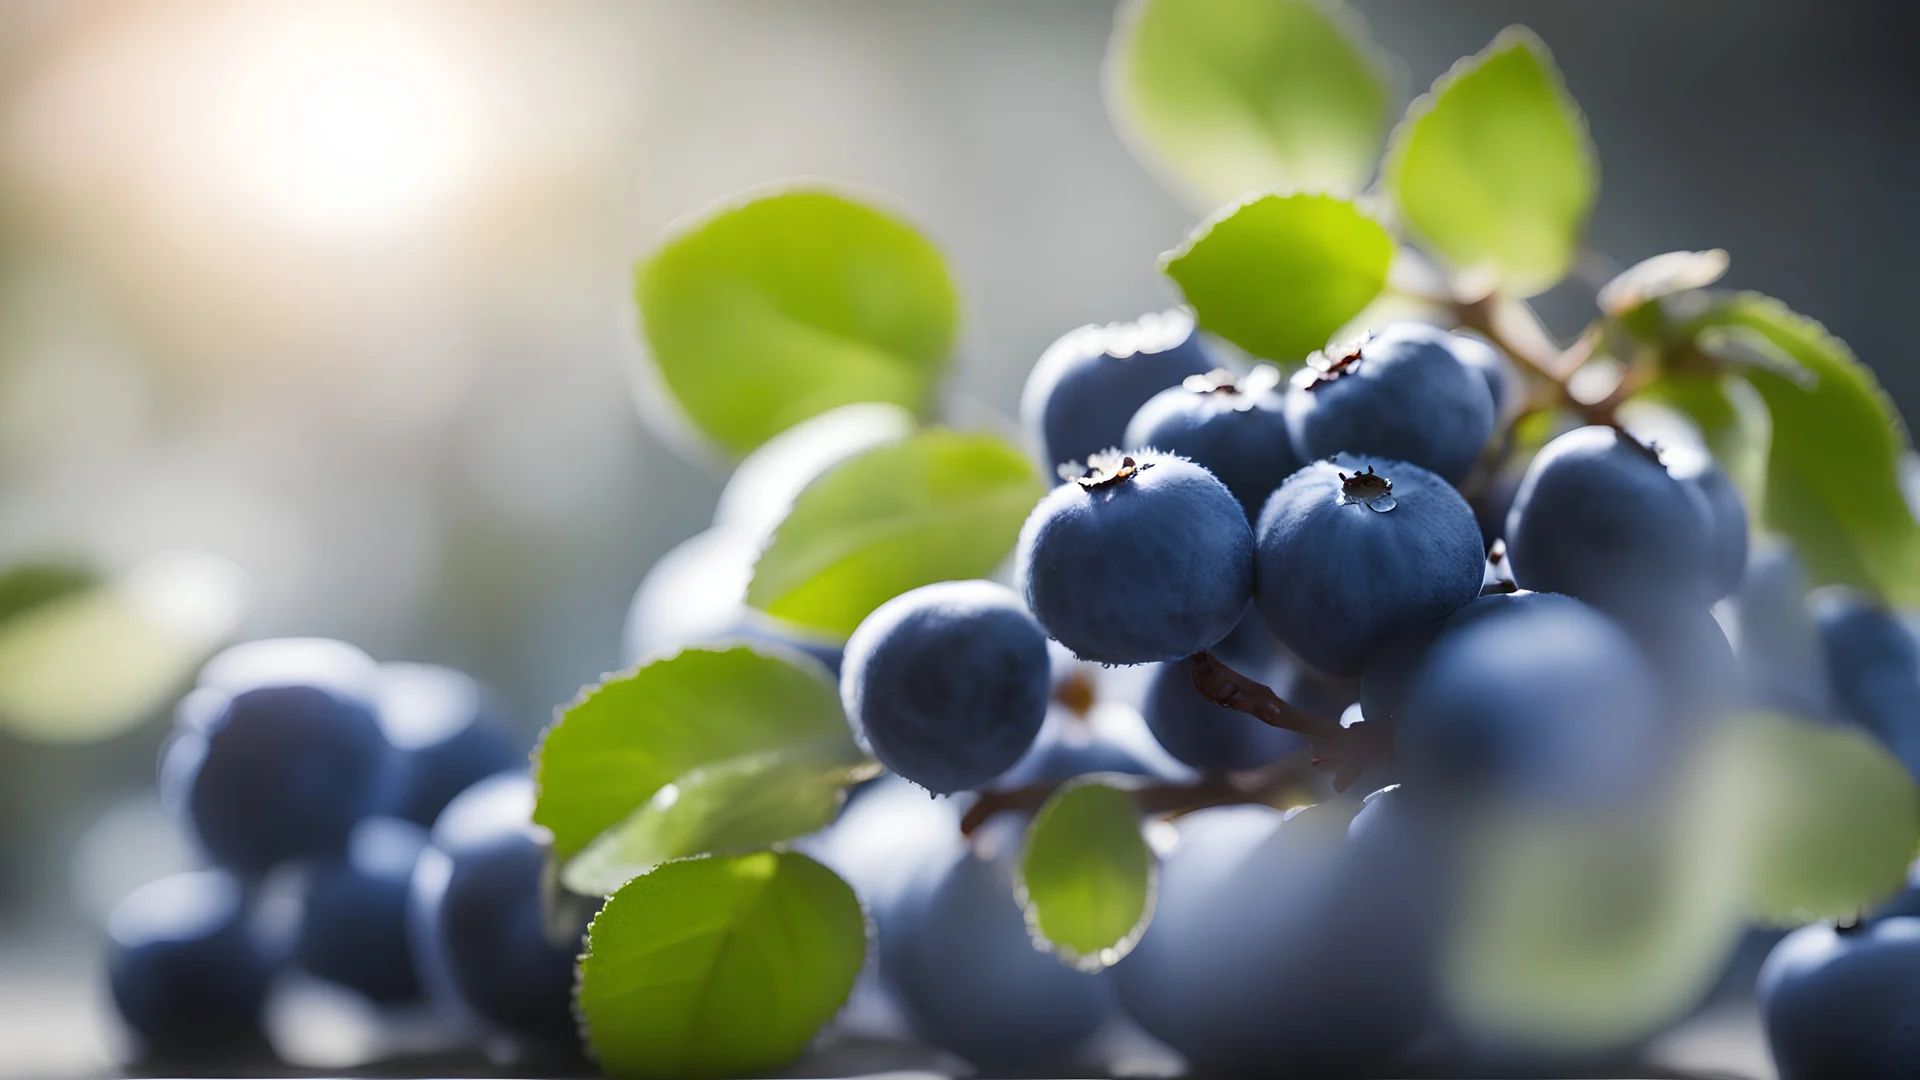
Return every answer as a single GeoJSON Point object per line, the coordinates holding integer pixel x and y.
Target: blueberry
{"type": "Point", "coordinates": [1275, 942]}
{"type": "Point", "coordinates": [1209, 737]}
{"type": "Point", "coordinates": [1907, 900]}
{"type": "Point", "coordinates": [1064, 751]}
{"type": "Point", "coordinates": [959, 958]}
{"type": "Point", "coordinates": [1355, 551]}
{"type": "Point", "coordinates": [1535, 698]}
{"type": "Point", "coordinates": [1599, 517]}
{"type": "Point", "coordinates": [188, 973]}
{"type": "Point", "coordinates": [1405, 393]}
{"type": "Point", "coordinates": [1146, 558]}
{"type": "Point", "coordinates": [1843, 1003]}
{"type": "Point", "coordinates": [1235, 428]}
{"type": "Point", "coordinates": [1782, 663]}
{"type": "Point", "coordinates": [354, 926]}
{"type": "Point", "coordinates": [947, 684]}
{"type": "Point", "coordinates": [1088, 384]}
{"type": "Point", "coordinates": [1723, 510]}
{"type": "Point", "coordinates": [1872, 665]}
{"type": "Point", "coordinates": [448, 733]}
{"type": "Point", "coordinates": [1691, 658]}
{"type": "Point", "coordinates": [475, 918]}
{"type": "Point", "coordinates": [276, 772]}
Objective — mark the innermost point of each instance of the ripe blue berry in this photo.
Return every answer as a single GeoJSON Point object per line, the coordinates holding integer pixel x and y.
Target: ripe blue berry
{"type": "Point", "coordinates": [1873, 669]}
{"type": "Point", "coordinates": [1534, 698]}
{"type": "Point", "coordinates": [1145, 558]}
{"type": "Point", "coordinates": [354, 926]}
{"type": "Point", "coordinates": [1272, 943]}
{"type": "Point", "coordinates": [947, 684]}
{"type": "Point", "coordinates": [1235, 428]}
{"type": "Point", "coordinates": [1599, 517]}
{"type": "Point", "coordinates": [276, 772]}
{"type": "Point", "coordinates": [1357, 551]}
{"type": "Point", "coordinates": [1724, 513]}
{"type": "Point", "coordinates": [1209, 737]}
{"type": "Point", "coordinates": [963, 965]}
{"type": "Point", "coordinates": [1782, 664]}
{"type": "Point", "coordinates": [1404, 393]}
{"type": "Point", "coordinates": [475, 916]}
{"type": "Point", "coordinates": [448, 735]}
{"type": "Point", "coordinates": [1089, 383]}
{"type": "Point", "coordinates": [188, 973]}
{"type": "Point", "coordinates": [1842, 1002]}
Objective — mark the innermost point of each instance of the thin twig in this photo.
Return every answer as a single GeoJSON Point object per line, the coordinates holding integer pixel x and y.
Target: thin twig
{"type": "Point", "coordinates": [1158, 797]}
{"type": "Point", "coordinates": [1347, 751]}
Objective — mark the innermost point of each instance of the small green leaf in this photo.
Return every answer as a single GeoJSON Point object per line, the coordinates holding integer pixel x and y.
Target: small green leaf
{"type": "Point", "coordinates": [621, 741]}
{"type": "Point", "coordinates": [29, 585]}
{"type": "Point", "coordinates": [84, 660]}
{"type": "Point", "coordinates": [1833, 480]}
{"type": "Point", "coordinates": [719, 966]}
{"type": "Point", "coordinates": [936, 507]}
{"type": "Point", "coordinates": [738, 804]}
{"type": "Point", "coordinates": [1494, 170]}
{"type": "Point", "coordinates": [1662, 275]}
{"type": "Point", "coordinates": [1278, 274]}
{"type": "Point", "coordinates": [1087, 877]}
{"type": "Point", "coordinates": [1587, 933]}
{"type": "Point", "coordinates": [1223, 97]}
{"type": "Point", "coordinates": [777, 306]}
{"type": "Point", "coordinates": [1832, 819]}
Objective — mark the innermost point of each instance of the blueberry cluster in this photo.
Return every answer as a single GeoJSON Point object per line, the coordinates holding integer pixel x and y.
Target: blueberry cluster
{"type": "Point", "coordinates": [1321, 542]}
{"type": "Point", "coordinates": [390, 803]}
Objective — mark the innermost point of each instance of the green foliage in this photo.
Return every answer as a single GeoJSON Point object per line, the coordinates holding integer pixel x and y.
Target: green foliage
{"type": "Point", "coordinates": [82, 660]}
{"type": "Point", "coordinates": [1833, 476]}
{"type": "Point", "coordinates": [939, 506]}
{"type": "Point", "coordinates": [1086, 876]}
{"type": "Point", "coordinates": [735, 805]}
{"type": "Point", "coordinates": [620, 742]}
{"type": "Point", "coordinates": [780, 305]}
{"type": "Point", "coordinates": [1587, 932]}
{"type": "Point", "coordinates": [719, 966]}
{"type": "Point", "coordinates": [1278, 274]}
{"type": "Point", "coordinates": [1224, 97]}
{"type": "Point", "coordinates": [1831, 818]}
{"type": "Point", "coordinates": [1494, 171]}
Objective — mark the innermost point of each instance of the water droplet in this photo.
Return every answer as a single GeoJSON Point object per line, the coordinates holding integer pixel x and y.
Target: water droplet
{"type": "Point", "coordinates": [1381, 504]}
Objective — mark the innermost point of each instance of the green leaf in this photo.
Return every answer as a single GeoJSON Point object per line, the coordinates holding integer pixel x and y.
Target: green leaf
{"type": "Point", "coordinates": [936, 507]}
{"type": "Point", "coordinates": [1278, 274]}
{"type": "Point", "coordinates": [1587, 933]}
{"type": "Point", "coordinates": [1660, 276]}
{"type": "Point", "coordinates": [1223, 97]}
{"type": "Point", "coordinates": [1832, 819]}
{"type": "Point", "coordinates": [716, 967]}
{"type": "Point", "coordinates": [1086, 876]}
{"type": "Point", "coordinates": [82, 661]}
{"type": "Point", "coordinates": [1494, 169]}
{"type": "Point", "coordinates": [738, 804]}
{"type": "Point", "coordinates": [777, 306]}
{"type": "Point", "coordinates": [1833, 480]}
{"type": "Point", "coordinates": [30, 585]}
{"type": "Point", "coordinates": [621, 741]}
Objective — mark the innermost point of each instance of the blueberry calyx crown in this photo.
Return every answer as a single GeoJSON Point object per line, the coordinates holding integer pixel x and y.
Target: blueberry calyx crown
{"type": "Point", "coordinates": [1368, 488]}
{"type": "Point", "coordinates": [1104, 470]}
{"type": "Point", "coordinates": [1329, 364]}
{"type": "Point", "coordinates": [1240, 390]}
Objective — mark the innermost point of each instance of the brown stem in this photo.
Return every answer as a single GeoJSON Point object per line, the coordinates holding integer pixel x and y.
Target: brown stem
{"type": "Point", "coordinates": [1347, 751]}
{"type": "Point", "coordinates": [1496, 588]}
{"type": "Point", "coordinates": [1160, 797]}
{"type": "Point", "coordinates": [1511, 326]}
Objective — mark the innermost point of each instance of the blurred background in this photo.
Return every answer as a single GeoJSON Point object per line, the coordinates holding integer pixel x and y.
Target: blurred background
{"type": "Point", "coordinates": [337, 292]}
